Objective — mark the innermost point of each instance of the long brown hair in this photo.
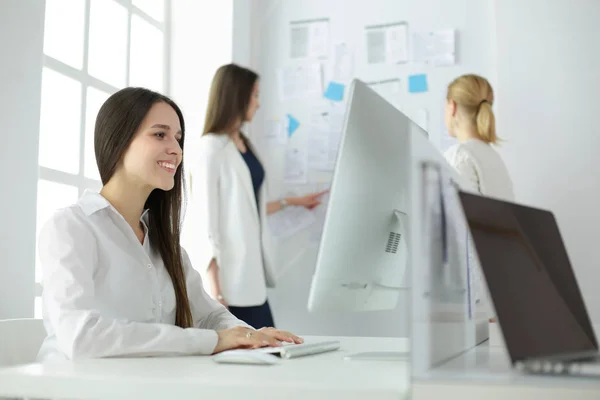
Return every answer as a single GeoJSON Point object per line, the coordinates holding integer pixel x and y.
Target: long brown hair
{"type": "Point", "coordinates": [229, 98]}
{"type": "Point", "coordinates": [116, 125]}
{"type": "Point", "coordinates": [475, 96]}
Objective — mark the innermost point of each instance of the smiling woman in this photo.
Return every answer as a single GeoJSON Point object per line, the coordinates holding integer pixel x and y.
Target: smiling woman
{"type": "Point", "coordinates": [116, 280]}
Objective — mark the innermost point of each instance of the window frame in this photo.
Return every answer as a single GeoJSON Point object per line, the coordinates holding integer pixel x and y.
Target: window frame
{"type": "Point", "coordinates": [79, 180]}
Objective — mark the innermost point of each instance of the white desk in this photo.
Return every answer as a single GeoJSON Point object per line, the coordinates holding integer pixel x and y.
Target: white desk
{"type": "Point", "coordinates": [485, 373]}
{"type": "Point", "coordinates": [322, 376]}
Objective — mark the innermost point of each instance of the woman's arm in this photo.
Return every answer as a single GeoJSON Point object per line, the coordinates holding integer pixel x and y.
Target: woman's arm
{"type": "Point", "coordinates": [68, 255]}
{"type": "Point", "coordinates": [309, 201]}
{"type": "Point", "coordinates": [214, 284]}
{"type": "Point", "coordinates": [275, 206]}
{"type": "Point", "coordinates": [207, 312]}
{"type": "Point", "coordinates": [204, 187]}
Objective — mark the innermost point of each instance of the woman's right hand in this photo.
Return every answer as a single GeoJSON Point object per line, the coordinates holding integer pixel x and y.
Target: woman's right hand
{"type": "Point", "coordinates": [241, 337]}
{"type": "Point", "coordinates": [213, 280]}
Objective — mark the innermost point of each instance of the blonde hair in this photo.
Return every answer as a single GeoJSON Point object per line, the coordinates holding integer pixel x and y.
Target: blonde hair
{"type": "Point", "coordinates": [475, 96]}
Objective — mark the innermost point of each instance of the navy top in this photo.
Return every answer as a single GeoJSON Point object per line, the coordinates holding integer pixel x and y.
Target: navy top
{"type": "Point", "coordinates": [257, 171]}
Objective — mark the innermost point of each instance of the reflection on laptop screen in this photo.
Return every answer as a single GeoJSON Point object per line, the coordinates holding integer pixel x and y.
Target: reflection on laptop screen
{"type": "Point", "coordinates": [530, 279]}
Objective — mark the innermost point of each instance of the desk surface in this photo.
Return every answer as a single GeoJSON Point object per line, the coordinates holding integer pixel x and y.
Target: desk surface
{"type": "Point", "coordinates": [322, 376]}
{"type": "Point", "coordinates": [485, 372]}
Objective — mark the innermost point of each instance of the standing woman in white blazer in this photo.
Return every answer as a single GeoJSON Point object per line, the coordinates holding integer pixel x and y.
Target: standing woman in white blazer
{"type": "Point", "coordinates": [469, 117]}
{"type": "Point", "coordinates": [115, 280]}
{"type": "Point", "coordinates": [228, 205]}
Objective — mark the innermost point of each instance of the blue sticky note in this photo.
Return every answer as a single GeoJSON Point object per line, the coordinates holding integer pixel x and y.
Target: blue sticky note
{"type": "Point", "coordinates": [293, 124]}
{"type": "Point", "coordinates": [417, 83]}
{"type": "Point", "coordinates": [335, 91]}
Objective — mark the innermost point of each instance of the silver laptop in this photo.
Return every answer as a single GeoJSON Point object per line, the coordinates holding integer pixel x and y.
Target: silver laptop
{"type": "Point", "coordinates": [539, 305]}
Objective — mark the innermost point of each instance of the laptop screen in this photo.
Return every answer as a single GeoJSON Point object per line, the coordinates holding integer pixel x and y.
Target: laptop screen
{"type": "Point", "coordinates": [530, 279]}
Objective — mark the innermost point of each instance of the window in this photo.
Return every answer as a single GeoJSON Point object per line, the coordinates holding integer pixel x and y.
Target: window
{"type": "Point", "coordinates": [92, 48]}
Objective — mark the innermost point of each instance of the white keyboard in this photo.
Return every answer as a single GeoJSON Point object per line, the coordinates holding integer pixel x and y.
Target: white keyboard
{"type": "Point", "coordinates": [290, 350]}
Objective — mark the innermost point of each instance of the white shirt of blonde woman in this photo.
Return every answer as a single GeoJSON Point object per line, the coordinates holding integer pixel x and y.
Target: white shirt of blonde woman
{"type": "Point", "coordinates": [484, 170]}
{"type": "Point", "coordinates": [480, 164]}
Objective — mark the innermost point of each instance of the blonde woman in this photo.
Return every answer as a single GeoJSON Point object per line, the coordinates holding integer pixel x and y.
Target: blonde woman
{"type": "Point", "coordinates": [469, 118]}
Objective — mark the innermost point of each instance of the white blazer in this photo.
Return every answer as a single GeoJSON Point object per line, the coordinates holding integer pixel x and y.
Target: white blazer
{"type": "Point", "coordinates": [222, 222]}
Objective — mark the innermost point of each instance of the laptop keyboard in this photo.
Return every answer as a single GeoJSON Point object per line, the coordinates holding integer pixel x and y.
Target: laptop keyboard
{"type": "Point", "coordinates": [580, 366]}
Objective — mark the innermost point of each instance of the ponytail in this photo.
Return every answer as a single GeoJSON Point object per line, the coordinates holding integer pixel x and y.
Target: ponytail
{"type": "Point", "coordinates": [475, 96]}
{"type": "Point", "coordinates": [486, 123]}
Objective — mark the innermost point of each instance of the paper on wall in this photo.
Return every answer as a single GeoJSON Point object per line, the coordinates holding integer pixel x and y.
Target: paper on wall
{"type": "Point", "coordinates": [319, 117]}
{"type": "Point", "coordinates": [437, 48]}
{"type": "Point", "coordinates": [326, 124]}
{"type": "Point", "coordinates": [343, 63]}
{"type": "Point", "coordinates": [275, 133]}
{"type": "Point", "coordinates": [309, 39]}
{"type": "Point", "coordinates": [397, 44]}
{"type": "Point", "coordinates": [336, 118]}
{"type": "Point", "coordinates": [295, 166]}
{"type": "Point", "coordinates": [318, 148]}
{"type": "Point", "coordinates": [298, 42]}
{"type": "Point", "coordinates": [323, 149]}
{"type": "Point", "coordinates": [376, 46]}
{"type": "Point", "coordinates": [387, 43]}
{"type": "Point", "coordinates": [300, 81]}
{"type": "Point", "coordinates": [319, 39]}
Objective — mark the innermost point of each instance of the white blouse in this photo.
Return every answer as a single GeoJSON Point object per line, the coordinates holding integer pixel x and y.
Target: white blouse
{"type": "Point", "coordinates": [105, 294]}
{"type": "Point", "coordinates": [482, 166]}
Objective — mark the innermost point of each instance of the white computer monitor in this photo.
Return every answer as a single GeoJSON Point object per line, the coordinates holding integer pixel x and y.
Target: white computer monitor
{"type": "Point", "coordinates": [363, 257]}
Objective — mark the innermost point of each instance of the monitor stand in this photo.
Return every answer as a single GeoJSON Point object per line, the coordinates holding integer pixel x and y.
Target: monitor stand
{"type": "Point", "coordinates": [386, 355]}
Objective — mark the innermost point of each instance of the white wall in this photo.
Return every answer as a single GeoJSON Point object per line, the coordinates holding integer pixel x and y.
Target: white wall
{"type": "Point", "coordinates": [201, 42]}
{"type": "Point", "coordinates": [21, 44]}
{"type": "Point", "coordinates": [474, 21]}
{"type": "Point", "coordinates": [241, 51]}
{"type": "Point", "coordinates": [548, 66]}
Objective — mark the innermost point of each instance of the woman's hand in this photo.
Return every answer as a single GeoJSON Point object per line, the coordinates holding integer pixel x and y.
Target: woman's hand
{"type": "Point", "coordinates": [282, 336]}
{"type": "Point", "coordinates": [213, 280]}
{"type": "Point", "coordinates": [309, 201]}
{"type": "Point", "coordinates": [243, 338]}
